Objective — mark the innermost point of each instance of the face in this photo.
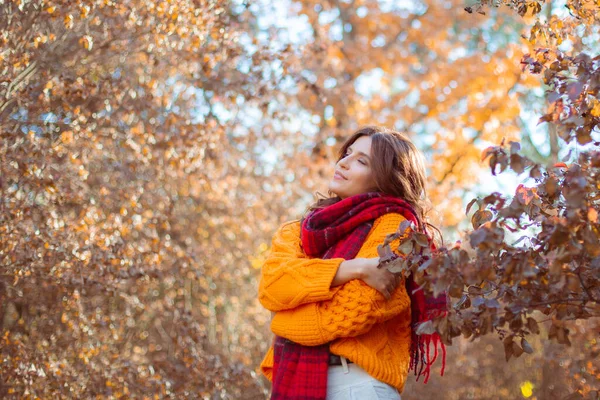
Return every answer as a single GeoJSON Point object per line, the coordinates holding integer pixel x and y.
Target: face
{"type": "Point", "coordinates": [353, 174]}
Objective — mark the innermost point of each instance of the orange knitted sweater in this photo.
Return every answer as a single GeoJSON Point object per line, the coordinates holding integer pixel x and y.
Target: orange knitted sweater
{"type": "Point", "coordinates": [356, 319]}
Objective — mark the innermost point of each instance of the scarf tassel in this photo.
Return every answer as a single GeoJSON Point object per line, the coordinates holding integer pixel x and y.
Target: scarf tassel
{"type": "Point", "coordinates": [421, 358]}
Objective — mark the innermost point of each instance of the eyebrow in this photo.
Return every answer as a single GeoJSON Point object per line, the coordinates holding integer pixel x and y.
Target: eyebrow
{"type": "Point", "coordinates": [360, 152]}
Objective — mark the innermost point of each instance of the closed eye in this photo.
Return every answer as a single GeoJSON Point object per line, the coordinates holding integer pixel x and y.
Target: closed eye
{"type": "Point", "coordinates": [360, 161]}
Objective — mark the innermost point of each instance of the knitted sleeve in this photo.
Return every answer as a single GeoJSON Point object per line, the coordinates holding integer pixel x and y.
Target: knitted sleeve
{"type": "Point", "coordinates": [289, 278]}
{"type": "Point", "coordinates": [353, 309]}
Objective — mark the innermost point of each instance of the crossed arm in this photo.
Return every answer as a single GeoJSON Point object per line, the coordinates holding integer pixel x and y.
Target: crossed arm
{"type": "Point", "coordinates": [307, 309]}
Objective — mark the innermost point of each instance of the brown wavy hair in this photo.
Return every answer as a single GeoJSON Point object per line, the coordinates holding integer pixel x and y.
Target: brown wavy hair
{"type": "Point", "coordinates": [398, 170]}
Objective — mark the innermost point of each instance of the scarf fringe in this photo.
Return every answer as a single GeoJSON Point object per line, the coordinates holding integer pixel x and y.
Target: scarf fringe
{"type": "Point", "coordinates": [421, 358]}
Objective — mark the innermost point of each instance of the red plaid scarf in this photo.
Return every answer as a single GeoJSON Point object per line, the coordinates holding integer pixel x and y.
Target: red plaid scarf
{"type": "Point", "coordinates": [339, 230]}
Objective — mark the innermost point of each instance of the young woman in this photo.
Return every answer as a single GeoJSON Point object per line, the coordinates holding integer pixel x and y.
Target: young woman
{"type": "Point", "coordinates": [343, 326]}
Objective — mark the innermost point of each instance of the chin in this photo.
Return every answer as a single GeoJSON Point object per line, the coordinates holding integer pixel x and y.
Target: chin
{"type": "Point", "coordinates": [337, 193]}
{"type": "Point", "coordinates": [333, 188]}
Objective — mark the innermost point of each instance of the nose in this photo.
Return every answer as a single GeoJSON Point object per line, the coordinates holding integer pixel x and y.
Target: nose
{"type": "Point", "coordinates": [343, 163]}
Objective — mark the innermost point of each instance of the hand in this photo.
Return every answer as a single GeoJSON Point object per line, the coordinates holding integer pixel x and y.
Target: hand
{"type": "Point", "coordinates": [351, 269]}
{"type": "Point", "coordinates": [366, 269]}
{"type": "Point", "coordinates": [379, 279]}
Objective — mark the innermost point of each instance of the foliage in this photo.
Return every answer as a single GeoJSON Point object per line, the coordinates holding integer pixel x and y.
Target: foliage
{"type": "Point", "coordinates": [536, 254]}
{"type": "Point", "coordinates": [122, 194]}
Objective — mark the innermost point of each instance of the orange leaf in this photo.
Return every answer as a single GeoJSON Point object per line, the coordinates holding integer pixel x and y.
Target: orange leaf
{"type": "Point", "coordinates": [593, 215]}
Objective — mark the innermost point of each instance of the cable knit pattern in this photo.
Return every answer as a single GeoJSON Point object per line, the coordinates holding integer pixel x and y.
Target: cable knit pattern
{"type": "Point", "coordinates": [360, 324]}
{"type": "Point", "coordinates": [289, 278]}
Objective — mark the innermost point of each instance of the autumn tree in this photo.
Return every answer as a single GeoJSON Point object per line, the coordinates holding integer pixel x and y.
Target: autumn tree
{"type": "Point", "coordinates": [131, 199]}
{"type": "Point", "coordinates": [533, 258]}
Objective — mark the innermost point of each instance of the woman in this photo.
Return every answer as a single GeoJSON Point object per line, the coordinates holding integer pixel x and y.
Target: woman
{"type": "Point", "coordinates": [343, 326]}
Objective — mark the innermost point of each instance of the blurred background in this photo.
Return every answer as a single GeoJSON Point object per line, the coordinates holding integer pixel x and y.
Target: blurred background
{"type": "Point", "coordinates": [149, 150]}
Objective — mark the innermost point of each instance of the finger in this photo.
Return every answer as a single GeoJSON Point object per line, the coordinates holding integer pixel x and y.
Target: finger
{"type": "Point", "coordinates": [393, 282]}
{"type": "Point", "coordinates": [389, 277]}
{"type": "Point", "coordinates": [386, 294]}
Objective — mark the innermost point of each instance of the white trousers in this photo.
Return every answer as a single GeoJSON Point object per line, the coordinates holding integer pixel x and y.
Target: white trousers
{"type": "Point", "coordinates": [351, 382]}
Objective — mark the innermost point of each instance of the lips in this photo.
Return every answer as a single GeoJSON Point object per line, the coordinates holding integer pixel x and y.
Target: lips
{"type": "Point", "coordinates": [339, 174]}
